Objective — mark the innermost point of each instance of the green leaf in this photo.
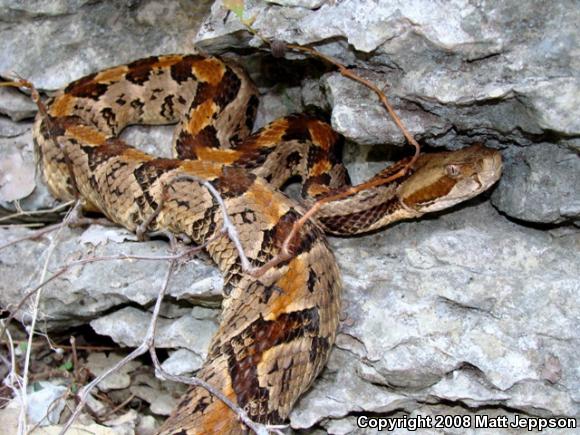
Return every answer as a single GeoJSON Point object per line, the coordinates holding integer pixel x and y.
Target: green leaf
{"type": "Point", "coordinates": [236, 6]}
{"type": "Point", "coordinates": [67, 366]}
{"type": "Point", "coordinates": [23, 346]}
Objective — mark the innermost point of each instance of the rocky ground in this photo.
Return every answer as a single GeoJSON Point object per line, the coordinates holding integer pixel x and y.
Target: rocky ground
{"type": "Point", "coordinates": [470, 312]}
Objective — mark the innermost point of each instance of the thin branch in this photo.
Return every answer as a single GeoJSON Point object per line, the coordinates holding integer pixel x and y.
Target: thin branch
{"type": "Point", "coordinates": [227, 226]}
{"type": "Point", "coordinates": [143, 348]}
{"type": "Point", "coordinates": [35, 235]}
{"type": "Point", "coordinates": [69, 347]}
{"type": "Point", "coordinates": [278, 48]}
{"type": "Point", "coordinates": [118, 407]}
{"type": "Point", "coordinates": [75, 359]}
{"type": "Point", "coordinates": [258, 428]}
{"type": "Point", "coordinates": [12, 379]}
{"type": "Point", "coordinates": [22, 426]}
{"type": "Point", "coordinates": [22, 225]}
{"type": "Point", "coordinates": [88, 260]}
{"type": "Point", "coordinates": [37, 212]}
{"type": "Point", "coordinates": [19, 82]}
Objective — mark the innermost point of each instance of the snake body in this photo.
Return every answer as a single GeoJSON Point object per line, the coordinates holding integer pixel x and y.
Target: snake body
{"type": "Point", "coordinates": [276, 330]}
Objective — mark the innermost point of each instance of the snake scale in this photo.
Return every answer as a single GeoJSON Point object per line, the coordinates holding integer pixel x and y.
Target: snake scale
{"type": "Point", "coordinates": [276, 330]}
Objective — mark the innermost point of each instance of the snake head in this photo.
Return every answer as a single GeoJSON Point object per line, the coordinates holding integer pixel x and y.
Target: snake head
{"type": "Point", "coordinates": [441, 180]}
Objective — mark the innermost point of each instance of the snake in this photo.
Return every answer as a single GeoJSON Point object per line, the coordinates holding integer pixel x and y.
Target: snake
{"type": "Point", "coordinates": [276, 329]}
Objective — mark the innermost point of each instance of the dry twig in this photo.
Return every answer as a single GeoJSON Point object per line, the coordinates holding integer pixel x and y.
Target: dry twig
{"type": "Point", "coordinates": [81, 262]}
{"type": "Point", "coordinates": [35, 235]}
{"type": "Point", "coordinates": [56, 208]}
{"type": "Point", "coordinates": [22, 425]}
{"type": "Point", "coordinates": [278, 49]}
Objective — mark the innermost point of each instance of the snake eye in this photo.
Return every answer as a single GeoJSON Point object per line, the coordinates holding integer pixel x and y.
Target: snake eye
{"type": "Point", "coordinates": [453, 170]}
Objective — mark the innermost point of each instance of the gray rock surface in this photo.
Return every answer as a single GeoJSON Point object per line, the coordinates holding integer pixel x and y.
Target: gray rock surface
{"type": "Point", "coordinates": [32, 195]}
{"type": "Point", "coordinates": [540, 183]}
{"type": "Point", "coordinates": [46, 403]}
{"type": "Point", "coordinates": [182, 362]}
{"type": "Point", "coordinates": [53, 43]}
{"type": "Point", "coordinates": [465, 313]}
{"type": "Point", "coordinates": [348, 101]}
{"type": "Point", "coordinates": [98, 363]}
{"type": "Point", "coordinates": [128, 326]}
{"type": "Point", "coordinates": [89, 290]}
{"type": "Point", "coordinates": [15, 105]}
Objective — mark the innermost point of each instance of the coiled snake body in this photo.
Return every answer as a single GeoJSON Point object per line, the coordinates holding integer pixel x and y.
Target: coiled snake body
{"type": "Point", "coordinates": [276, 330]}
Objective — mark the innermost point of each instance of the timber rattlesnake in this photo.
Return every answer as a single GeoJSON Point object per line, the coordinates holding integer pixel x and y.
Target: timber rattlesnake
{"type": "Point", "coordinates": [276, 330]}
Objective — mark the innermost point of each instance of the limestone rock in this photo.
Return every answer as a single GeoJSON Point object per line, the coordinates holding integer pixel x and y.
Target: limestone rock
{"type": "Point", "coordinates": [16, 105]}
{"type": "Point", "coordinates": [461, 56]}
{"type": "Point", "coordinates": [57, 42]}
{"type": "Point", "coordinates": [34, 194]}
{"type": "Point", "coordinates": [46, 403]}
{"type": "Point", "coordinates": [98, 363]}
{"type": "Point", "coordinates": [128, 326]}
{"type": "Point", "coordinates": [540, 183]}
{"type": "Point", "coordinates": [88, 290]}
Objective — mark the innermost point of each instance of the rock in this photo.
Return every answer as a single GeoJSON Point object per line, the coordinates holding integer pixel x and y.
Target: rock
{"type": "Point", "coordinates": [573, 144]}
{"type": "Point", "coordinates": [98, 363]}
{"type": "Point", "coordinates": [348, 100]}
{"type": "Point", "coordinates": [16, 105]}
{"type": "Point", "coordinates": [277, 103]}
{"type": "Point", "coordinates": [554, 102]}
{"type": "Point", "coordinates": [9, 416]}
{"type": "Point", "coordinates": [46, 403]}
{"type": "Point", "coordinates": [310, 4]}
{"type": "Point", "coordinates": [62, 41]}
{"type": "Point", "coordinates": [96, 407]}
{"type": "Point", "coordinates": [160, 394]}
{"type": "Point", "coordinates": [128, 326]}
{"type": "Point", "coordinates": [125, 424]}
{"type": "Point", "coordinates": [153, 140]}
{"type": "Point", "coordinates": [96, 235]}
{"type": "Point", "coordinates": [455, 62]}
{"type": "Point", "coordinates": [79, 295]}
{"type": "Point", "coordinates": [339, 391]}
{"type": "Point", "coordinates": [16, 181]}
{"type": "Point", "coordinates": [161, 403]}
{"type": "Point", "coordinates": [540, 183]}
{"type": "Point", "coordinates": [21, 149]}
{"type": "Point", "coordinates": [181, 362]}
{"type": "Point", "coordinates": [146, 426]}
{"type": "Point", "coordinates": [10, 128]}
